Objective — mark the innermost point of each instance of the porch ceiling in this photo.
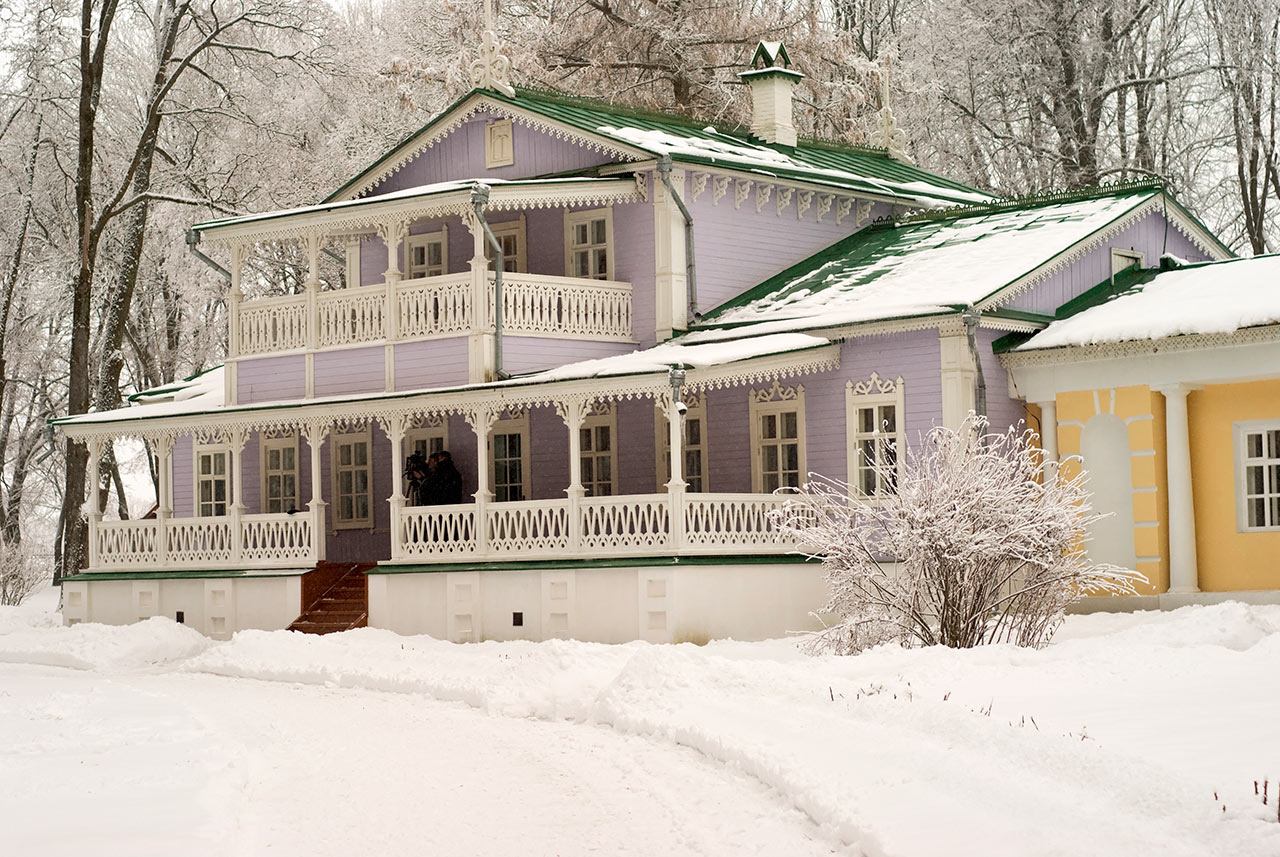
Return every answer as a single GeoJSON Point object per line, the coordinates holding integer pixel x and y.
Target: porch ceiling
{"type": "Point", "coordinates": [433, 201]}
{"type": "Point", "coordinates": [197, 405]}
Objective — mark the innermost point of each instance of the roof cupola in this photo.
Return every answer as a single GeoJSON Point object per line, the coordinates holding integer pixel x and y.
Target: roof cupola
{"type": "Point", "coordinates": [771, 80]}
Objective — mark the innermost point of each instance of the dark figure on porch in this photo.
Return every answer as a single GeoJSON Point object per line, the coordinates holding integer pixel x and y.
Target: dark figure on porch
{"type": "Point", "coordinates": [450, 480]}
{"type": "Point", "coordinates": [416, 472]}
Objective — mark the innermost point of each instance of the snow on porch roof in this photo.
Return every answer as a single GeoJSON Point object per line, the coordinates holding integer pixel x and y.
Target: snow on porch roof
{"type": "Point", "coordinates": [502, 191]}
{"type": "Point", "coordinates": [1208, 298]}
{"type": "Point", "coordinates": [203, 394]}
{"type": "Point", "coordinates": [929, 265]}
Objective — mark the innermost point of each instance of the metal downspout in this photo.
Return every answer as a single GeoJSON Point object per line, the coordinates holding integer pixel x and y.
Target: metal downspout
{"type": "Point", "coordinates": [193, 238]}
{"type": "Point", "coordinates": [480, 198]}
{"type": "Point", "coordinates": [971, 318]}
{"type": "Point", "coordinates": [664, 172]}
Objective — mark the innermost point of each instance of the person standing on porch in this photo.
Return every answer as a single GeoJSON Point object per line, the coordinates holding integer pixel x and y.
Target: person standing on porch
{"type": "Point", "coordinates": [449, 477]}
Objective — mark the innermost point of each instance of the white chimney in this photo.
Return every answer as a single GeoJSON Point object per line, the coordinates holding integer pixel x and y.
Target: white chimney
{"type": "Point", "coordinates": [771, 83]}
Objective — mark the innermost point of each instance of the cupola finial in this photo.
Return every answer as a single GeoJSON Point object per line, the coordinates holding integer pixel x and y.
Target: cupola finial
{"type": "Point", "coordinates": [492, 70]}
{"type": "Point", "coordinates": [888, 135]}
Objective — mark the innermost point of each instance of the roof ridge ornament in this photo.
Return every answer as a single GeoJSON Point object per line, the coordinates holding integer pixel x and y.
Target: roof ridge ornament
{"type": "Point", "coordinates": [493, 69]}
{"type": "Point", "coordinates": [888, 135]}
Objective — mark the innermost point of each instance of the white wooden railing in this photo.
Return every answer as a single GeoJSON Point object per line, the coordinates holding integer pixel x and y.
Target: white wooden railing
{"type": "Point", "coordinates": [228, 542]}
{"type": "Point", "coordinates": [429, 307]}
{"type": "Point", "coordinates": [627, 525]}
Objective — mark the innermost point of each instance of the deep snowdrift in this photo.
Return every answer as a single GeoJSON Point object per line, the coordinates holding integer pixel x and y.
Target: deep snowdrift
{"type": "Point", "coordinates": [1114, 740]}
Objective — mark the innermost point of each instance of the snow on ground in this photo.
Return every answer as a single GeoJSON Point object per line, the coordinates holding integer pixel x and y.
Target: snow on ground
{"type": "Point", "coordinates": [1112, 741]}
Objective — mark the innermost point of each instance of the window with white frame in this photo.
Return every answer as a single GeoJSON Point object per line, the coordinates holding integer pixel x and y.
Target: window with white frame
{"type": "Point", "coordinates": [426, 441]}
{"type": "Point", "coordinates": [511, 237]}
{"type": "Point", "coordinates": [428, 254]}
{"type": "Point", "coordinates": [213, 481]}
{"type": "Point", "coordinates": [1258, 474]}
{"type": "Point", "coordinates": [589, 244]}
{"type": "Point", "coordinates": [509, 458]}
{"type": "Point", "coordinates": [874, 434]}
{"type": "Point", "coordinates": [279, 474]}
{"type": "Point", "coordinates": [352, 479]}
{"type": "Point", "coordinates": [1123, 260]}
{"type": "Point", "coordinates": [597, 451]}
{"type": "Point", "coordinates": [694, 445]}
{"type": "Point", "coordinates": [777, 438]}
{"type": "Point", "coordinates": [499, 148]}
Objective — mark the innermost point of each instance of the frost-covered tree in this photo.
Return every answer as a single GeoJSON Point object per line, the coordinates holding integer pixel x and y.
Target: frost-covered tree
{"type": "Point", "coordinates": [977, 542]}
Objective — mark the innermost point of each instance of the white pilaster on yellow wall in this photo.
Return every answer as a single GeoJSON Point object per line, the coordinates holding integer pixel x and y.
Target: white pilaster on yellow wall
{"type": "Point", "coordinates": [958, 376]}
{"type": "Point", "coordinates": [1049, 438]}
{"type": "Point", "coordinates": [1183, 572]}
{"type": "Point", "coordinates": [670, 262]}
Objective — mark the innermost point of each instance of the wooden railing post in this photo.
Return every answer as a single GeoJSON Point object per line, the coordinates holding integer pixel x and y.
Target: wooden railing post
{"type": "Point", "coordinates": [315, 433]}
{"type": "Point", "coordinates": [239, 438]}
{"type": "Point", "coordinates": [481, 420]}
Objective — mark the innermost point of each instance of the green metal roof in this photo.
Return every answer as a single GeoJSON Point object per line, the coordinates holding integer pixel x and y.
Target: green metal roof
{"type": "Point", "coordinates": [831, 163]}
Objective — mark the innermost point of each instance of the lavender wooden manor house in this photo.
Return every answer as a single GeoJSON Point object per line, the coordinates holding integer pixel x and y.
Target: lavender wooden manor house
{"type": "Point", "coordinates": [530, 282]}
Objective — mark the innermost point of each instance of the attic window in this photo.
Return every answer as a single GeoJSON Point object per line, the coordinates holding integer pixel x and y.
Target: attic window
{"type": "Point", "coordinates": [1123, 260]}
{"type": "Point", "coordinates": [498, 148]}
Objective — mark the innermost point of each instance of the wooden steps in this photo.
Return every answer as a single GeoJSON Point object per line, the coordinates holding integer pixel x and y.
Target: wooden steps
{"type": "Point", "coordinates": [342, 606]}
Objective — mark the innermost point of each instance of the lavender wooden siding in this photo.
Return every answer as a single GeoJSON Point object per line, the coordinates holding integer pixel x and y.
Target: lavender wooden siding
{"type": "Point", "coordinates": [462, 446]}
{"type": "Point", "coordinates": [432, 363]}
{"type": "Point", "coordinates": [634, 462]}
{"type": "Point", "coordinates": [728, 440]}
{"type": "Point", "coordinates": [737, 248]}
{"type": "Point", "coordinates": [373, 260]}
{"type": "Point", "coordinates": [1151, 236]}
{"type": "Point", "coordinates": [183, 469]}
{"type": "Point", "coordinates": [522, 354]}
{"type": "Point", "coordinates": [633, 263]}
{"type": "Point", "coordinates": [271, 379]}
{"type": "Point", "coordinates": [548, 455]}
{"type": "Point", "coordinates": [916, 356]}
{"type": "Point", "coordinates": [460, 155]}
{"type": "Point", "coordinates": [1002, 411]}
{"type": "Point", "coordinates": [251, 471]}
{"type": "Point", "coordinates": [350, 370]}
{"type": "Point", "coordinates": [361, 545]}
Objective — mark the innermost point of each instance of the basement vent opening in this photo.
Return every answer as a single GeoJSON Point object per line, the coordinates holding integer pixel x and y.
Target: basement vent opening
{"type": "Point", "coordinates": [517, 620]}
{"type": "Point", "coordinates": [181, 617]}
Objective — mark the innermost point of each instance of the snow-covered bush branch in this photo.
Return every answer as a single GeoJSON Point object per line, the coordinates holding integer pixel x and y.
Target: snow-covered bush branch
{"type": "Point", "coordinates": [978, 542]}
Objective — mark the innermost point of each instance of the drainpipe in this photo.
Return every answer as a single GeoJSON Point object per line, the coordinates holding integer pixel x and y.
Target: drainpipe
{"type": "Point", "coordinates": [664, 172]}
{"type": "Point", "coordinates": [193, 238]}
{"type": "Point", "coordinates": [479, 199]}
{"type": "Point", "coordinates": [971, 318]}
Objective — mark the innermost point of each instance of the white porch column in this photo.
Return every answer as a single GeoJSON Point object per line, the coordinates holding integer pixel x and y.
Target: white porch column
{"type": "Point", "coordinates": [236, 466]}
{"type": "Point", "coordinates": [234, 298]}
{"type": "Point", "coordinates": [1183, 574]}
{"type": "Point", "coordinates": [393, 234]}
{"type": "Point", "coordinates": [315, 433]}
{"type": "Point", "coordinates": [311, 244]}
{"type": "Point", "coordinates": [481, 421]}
{"type": "Point", "coordinates": [676, 484]}
{"type": "Point", "coordinates": [573, 411]}
{"type": "Point", "coordinates": [395, 427]}
{"type": "Point", "coordinates": [95, 498]}
{"type": "Point", "coordinates": [480, 343]}
{"type": "Point", "coordinates": [1049, 439]}
{"type": "Point", "coordinates": [958, 374]}
{"type": "Point", "coordinates": [164, 498]}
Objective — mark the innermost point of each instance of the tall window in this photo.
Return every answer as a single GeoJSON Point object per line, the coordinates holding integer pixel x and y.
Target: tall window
{"type": "Point", "coordinates": [596, 438]}
{"type": "Point", "coordinates": [352, 480]}
{"type": "Point", "coordinates": [874, 438]}
{"type": "Point", "coordinates": [279, 474]}
{"type": "Point", "coordinates": [1258, 474]}
{"type": "Point", "coordinates": [510, 236]}
{"type": "Point", "coordinates": [777, 438]}
{"type": "Point", "coordinates": [212, 488]}
{"type": "Point", "coordinates": [588, 236]}
{"type": "Point", "coordinates": [509, 446]}
{"type": "Point", "coordinates": [426, 441]}
{"type": "Point", "coordinates": [694, 445]}
{"type": "Point", "coordinates": [429, 254]}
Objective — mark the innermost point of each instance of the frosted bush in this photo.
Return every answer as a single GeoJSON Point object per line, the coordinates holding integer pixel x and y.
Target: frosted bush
{"type": "Point", "coordinates": [973, 545]}
{"type": "Point", "coordinates": [19, 574]}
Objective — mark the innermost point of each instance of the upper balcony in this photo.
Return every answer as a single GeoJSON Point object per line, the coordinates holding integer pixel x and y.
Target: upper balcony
{"type": "Point", "coordinates": [418, 265]}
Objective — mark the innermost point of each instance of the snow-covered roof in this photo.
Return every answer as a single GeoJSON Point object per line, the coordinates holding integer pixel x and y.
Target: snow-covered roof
{"type": "Point", "coordinates": [926, 266]}
{"type": "Point", "coordinates": [203, 394]}
{"type": "Point", "coordinates": [1208, 298]}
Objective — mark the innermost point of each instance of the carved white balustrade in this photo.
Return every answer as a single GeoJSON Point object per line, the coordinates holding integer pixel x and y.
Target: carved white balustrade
{"type": "Point", "coordinates": [351, 316]}
{"type": "Point", "coordinates": [434, 306]}
{"type": "Point", "coordinates": [732, 523]}
{"type": "Point", "coordinates": [270, 325]}
{"type": "Point", "coordinates": [437, 531]}
{"type": "Point", "coordinates": [528, 528]}
{"type": "Point", "coordinates": [266, 541]}
{"type": "Point", "coordinates": [630, 524]}
{"type": "Point", "coordinates": [537, 305]}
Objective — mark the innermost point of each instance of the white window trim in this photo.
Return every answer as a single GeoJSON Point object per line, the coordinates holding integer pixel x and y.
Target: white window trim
{"type": "Point", "coordinates": [517, 228]}
{"type": "Point", "coordinates": [606, 415]}
{"type": "Point", "coordinates": [490, 130]}
{"type": "Point", "coordinates": [421, 239]}
{"type": "Point", "coordinates": [335, 439]}
{"type": "Point", "coordinates": [571, 218]}
{"type": "Point", "coordinates": [265, 445]}
{"type": "Point", "coordinates": [1123, 260]}
{"type": "Point", "coordinates": [697, 409]}
{"type": "Point", "coordinates": [1240, 460]}
{"type": "Point", "coordinates": [512, 425]}
{"type": "Point", "coordinates": [425, 434]}
{"type": "Point", "coordinates": [196, 451]}
{"type": "Point", "coordinates": [873, 392]}
{"type": "Point", "coordinates": [352, 255]}
{"type": "Point", "coordinates": [776, 400]}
